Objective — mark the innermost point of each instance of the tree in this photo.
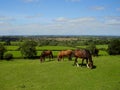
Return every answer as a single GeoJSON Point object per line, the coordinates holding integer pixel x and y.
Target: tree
{"type": "Point", "coordinates": [28, 49]}
{"type": "Point", "coordinates": [2, 51]}
{"type": "Point", "coordinates": [114, 47]}
{"type": "Point", "coordinates": [7, 42]}
{"type": "Point", "coordinates": [92, 48]}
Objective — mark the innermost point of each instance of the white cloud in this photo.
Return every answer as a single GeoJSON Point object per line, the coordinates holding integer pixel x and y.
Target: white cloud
{"type": "Point", "coordinates": [6, 18]}
{"type": "Point", "coordinates": [61, 19]}
{"type": "Point", "coordinates": [113, 20]}
{"type": "Point", "coordinates": [98, 8]}
{"type": "Point", "coordinates": [66, 26]}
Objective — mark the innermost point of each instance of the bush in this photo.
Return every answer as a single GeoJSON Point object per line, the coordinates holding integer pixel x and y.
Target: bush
{"type": "Point", "coordinates": [114, 47]}
{"type": "Point", "coordinates": [2, 51]}
{"type": "Point", "coordinates": [8, 56]}
{"type": "Point", "coordinates": [28, 49]}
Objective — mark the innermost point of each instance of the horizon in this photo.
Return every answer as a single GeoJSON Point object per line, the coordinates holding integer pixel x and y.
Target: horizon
{"type": "Point", "coordinates": [59, 17]}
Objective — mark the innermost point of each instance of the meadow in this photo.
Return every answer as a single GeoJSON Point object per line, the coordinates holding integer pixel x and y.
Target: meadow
{"type": "Point", "coordinates": [21, 74]}
{"type": "Point", "coordinates": [31, 74]}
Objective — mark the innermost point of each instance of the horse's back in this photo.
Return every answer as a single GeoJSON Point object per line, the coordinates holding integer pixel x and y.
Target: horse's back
{"type": "Point", "coordinates": [65, 52]}
{"type": "Point", "coordinates": [82, 53]}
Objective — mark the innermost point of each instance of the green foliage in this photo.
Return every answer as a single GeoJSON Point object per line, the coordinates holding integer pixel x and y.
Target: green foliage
{"type": "Point", "coordinates": [91, 48]}
{"type": "Point", "coordinates": [2, 51]}
{"type": "Point", "coordinates": [114, 47]}
{"type": "Point", "coordinates": [28, 49]}
{"type": "Point", "coordinates": [7, 42]}
{"type": "Point", "coordinates": [8, 56]}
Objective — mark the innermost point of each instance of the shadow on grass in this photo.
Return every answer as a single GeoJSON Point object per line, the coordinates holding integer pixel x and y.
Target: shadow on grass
{"type": "Point", "coordinates": [84, 65]}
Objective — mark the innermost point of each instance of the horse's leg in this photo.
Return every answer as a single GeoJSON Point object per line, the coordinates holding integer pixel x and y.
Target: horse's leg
{"type": "Point", "coordinates": [44, 58]}
{"type": "Point", "coordinates": [41, 60]}
{"type": "Point", "coordinates": [63, 58]}
{"type": "Point", "coordinates": [87, 63]}
{"type": "Point", "coordinates": [82, 62]}
{"type": "Point", "coordinates": [69, 57]}
{"type": "Point", "coordinates": [49, 57]}
{"type": "Point", "coordinates": [59, 58]}
{"type": "Point", "coordinates": [76, 62]}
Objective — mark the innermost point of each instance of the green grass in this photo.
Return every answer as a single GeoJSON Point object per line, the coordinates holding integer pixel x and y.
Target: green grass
{"type": "Point", "coordinates": [33, 75]}
{"type": "Point", "coordinates": [12, 48]}
{"type": "Point", "coordinates": [16, 54]}
{"type": "Point", "coordinates": [57, 48]}
{"type": "Point", "coordinates": [102, 46]}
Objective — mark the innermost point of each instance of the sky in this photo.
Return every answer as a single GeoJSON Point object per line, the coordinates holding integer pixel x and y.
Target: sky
{"type": "Point", "coordinates": [60, 17]}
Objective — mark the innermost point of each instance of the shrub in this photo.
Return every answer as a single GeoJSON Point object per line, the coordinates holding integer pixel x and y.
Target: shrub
{"type": "Point", "coordinates": [114, 47]}
{"type": "Point", "coordinates": [28, 49]}
{"type": "Point", "coordinates": [8, 56]}
{"type": "Point", "coordinates": [2, 51]}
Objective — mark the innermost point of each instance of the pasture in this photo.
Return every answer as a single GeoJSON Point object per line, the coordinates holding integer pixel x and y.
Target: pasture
{"type": "Point", "coordinates": [21, 74]}
{"type": "Point", "coordinates": [17, 54]}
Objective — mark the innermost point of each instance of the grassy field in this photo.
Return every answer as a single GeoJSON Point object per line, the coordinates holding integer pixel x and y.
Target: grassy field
{"type": "Point", "coordinates": [32, 75]}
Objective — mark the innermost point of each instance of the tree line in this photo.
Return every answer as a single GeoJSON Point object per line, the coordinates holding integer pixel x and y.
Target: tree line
{"type": "Point", "coordinates": [28, 49]}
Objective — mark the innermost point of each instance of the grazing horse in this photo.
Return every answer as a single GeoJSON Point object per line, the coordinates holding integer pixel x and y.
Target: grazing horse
{"type": "Point", "coordinates": [84, 54]}
{"type": "Point", "coordinates": [65, 53]}
{"type": "Point", "coordinates": [45, 54]}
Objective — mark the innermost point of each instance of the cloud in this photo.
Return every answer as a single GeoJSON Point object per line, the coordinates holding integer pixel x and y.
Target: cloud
{"type": "Point", "coordinates": [112, 20]}
{"type": "Point", "coordinates": [34, 16]}
{"type": "Point", "coordinates": [98, 8]}
{"type": "Point", "coordinates": [75, 20]}
{"type": "Point", "coordinates": [6, 18]}
{"type": "Point", "coordinates": [2, 24]}
{"type": "Point", "coordinates": [61, 19]}
{"type": "Point", "coordinates": [66, 26]}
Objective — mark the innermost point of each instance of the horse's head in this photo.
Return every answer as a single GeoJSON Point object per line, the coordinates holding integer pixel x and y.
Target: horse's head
{"type": "Point", "coordinates": [90, 65]}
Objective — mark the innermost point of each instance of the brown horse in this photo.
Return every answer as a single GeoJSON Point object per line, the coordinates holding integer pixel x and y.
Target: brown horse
{"type": "Point", "coordinates": [44, 54]}
{"type": "Point", "coordinates": [84, 54]}
{"type": "Point", "coordinates": [65, 53]}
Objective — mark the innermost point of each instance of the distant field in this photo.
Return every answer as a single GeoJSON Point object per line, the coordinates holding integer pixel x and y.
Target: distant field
{"type": "Point", "coordinates": [16, 53]}
{"type": "Point", "coordinates": [32, 75]}
{"type": "Point", "coordinates": [56, 48]}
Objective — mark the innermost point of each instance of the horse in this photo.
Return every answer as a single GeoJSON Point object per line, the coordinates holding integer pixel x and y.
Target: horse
{"type": "Point", "coordinates": [64, 53]}
{"type": "Point", "coordinates": [84, 54]}
{"type": "Point", "coordinates": [47, 53]}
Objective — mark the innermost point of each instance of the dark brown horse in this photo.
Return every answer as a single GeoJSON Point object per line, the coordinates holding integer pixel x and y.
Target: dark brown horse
{"type": "Point", "coordinates": [84, 54]}
{"type": "Point", "coordinates": [65, 53]}
{"type": "Point", "coordinates": [44, 54]}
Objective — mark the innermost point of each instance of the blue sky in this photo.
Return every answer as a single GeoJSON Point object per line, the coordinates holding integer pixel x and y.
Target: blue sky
{"type": "Point", "coordinates": [60, 17]}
